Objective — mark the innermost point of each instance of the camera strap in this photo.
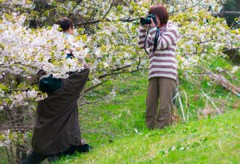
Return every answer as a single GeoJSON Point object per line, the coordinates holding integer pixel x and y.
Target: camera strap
{"type": "Point", "coordinates": [155, 41]}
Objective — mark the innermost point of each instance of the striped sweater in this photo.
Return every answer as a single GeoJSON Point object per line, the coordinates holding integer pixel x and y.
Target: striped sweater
{"type": "Point", "coordinates": [163, 61]}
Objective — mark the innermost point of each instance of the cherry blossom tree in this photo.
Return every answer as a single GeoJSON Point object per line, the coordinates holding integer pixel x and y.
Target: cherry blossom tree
{"type": "Point", "coordinates": [105, 36]}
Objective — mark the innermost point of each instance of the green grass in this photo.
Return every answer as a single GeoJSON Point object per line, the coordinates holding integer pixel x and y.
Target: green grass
{"type": "Point", "coordinates": [115, 126]}
{"type": "Point", "coordinates": [213, 140]}
{"type": "Point", "coordinates": [117, 117]}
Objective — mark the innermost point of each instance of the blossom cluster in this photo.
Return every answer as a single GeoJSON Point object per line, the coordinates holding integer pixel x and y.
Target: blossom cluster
{"type": "Point", "coordinates": [25, 51]}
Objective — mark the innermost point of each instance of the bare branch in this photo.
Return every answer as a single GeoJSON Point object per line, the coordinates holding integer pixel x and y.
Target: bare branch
{"type": "Point", "coordinates": [98, 21]}
{"type": "Point", "coordinates": [117, 69]}
{"type": "Point", "coordinates": [224, 13]}
{"type": "Point", "coordinates": [186, 8]}
{"type": "Point", "coordinates": [95, 86]}
{"type": "Point", "coordinates": [108, 10]}
{"type": "Point", "coordinates": [69, 15]}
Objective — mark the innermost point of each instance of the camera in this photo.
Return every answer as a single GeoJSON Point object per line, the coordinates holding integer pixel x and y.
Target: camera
{"type": "Point", "coordinates": [147, 20]}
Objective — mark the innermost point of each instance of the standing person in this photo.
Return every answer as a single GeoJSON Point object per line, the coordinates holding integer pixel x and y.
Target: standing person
{"type": "Point", "coordinates": [56, 130]}
{"type": "Point", "coordinates": [160, 36]}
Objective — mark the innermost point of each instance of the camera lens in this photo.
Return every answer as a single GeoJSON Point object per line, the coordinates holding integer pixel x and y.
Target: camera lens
{"type": "Point", "coordinates": [144, 21]}
{"type": "Point", "coordinates": [148, 20]}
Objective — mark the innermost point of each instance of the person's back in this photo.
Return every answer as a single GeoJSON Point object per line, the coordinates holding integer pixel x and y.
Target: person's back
{"type": "Point", "coordinates": [56, 127]}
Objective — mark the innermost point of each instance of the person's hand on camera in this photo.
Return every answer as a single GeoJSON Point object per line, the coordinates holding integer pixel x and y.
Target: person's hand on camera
{"type": "Point", "coordinates": [152, 25]}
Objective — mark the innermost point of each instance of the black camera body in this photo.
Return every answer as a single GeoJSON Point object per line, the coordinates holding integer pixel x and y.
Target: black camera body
{"type": "Point", "coordinates": [147, 20]}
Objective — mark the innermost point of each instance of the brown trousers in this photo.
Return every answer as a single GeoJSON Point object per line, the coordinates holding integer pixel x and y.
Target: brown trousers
{"type": "Point", "coordinates": [159, 102]}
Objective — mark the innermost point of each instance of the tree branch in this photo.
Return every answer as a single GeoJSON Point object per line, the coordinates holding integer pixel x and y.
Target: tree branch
{"type": "Point", "coordinates": [95, 86]}
{"type": "Point", "coordinates": [225, 83]}
{"type": "Point", "coordinates": [186, 8]}
{"type": "Point", "coordinates": [108, 10]}
{"type": "Point", "coordinates": [117, 69]}
{"type": "Point", "coordinates": [78, 3]}
{"type": "Point", "coordinates": [98, 21]}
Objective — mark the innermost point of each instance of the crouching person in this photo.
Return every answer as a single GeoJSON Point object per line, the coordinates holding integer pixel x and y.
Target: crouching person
{"type": "Point", "coordinates": [56, 131]}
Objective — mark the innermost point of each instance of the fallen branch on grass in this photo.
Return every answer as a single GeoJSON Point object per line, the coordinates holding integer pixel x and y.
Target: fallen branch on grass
{"type": "Point", "coordinates": [225, 83]}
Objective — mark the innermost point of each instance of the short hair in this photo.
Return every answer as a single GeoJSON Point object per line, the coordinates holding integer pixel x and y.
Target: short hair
{"type": "Point", "coordinates": [65, 24]}
{"type": "Point", "coordinates": [161, 12]}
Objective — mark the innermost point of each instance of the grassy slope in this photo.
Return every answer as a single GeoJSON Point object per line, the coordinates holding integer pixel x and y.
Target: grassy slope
{"type": "Point", "coordinates": [206, 141]}
{"type": "Point", "coordinates": [116, 129]}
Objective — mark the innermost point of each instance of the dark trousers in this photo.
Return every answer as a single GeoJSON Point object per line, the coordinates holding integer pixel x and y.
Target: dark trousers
{"type": "Point", "coordinates": [159, 102]}
{"type": "Point", "coordinates": [35, 158]}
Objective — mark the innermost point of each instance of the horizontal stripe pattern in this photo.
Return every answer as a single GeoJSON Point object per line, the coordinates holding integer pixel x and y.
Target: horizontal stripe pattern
{"type": "Point", "coordinates": [142, 32]}
{"type": "Point", "coordinates": [163, 72]}
{"type": "Point", "coordinates": [162, 66]}
{"type": "Point", "coordinates": [160, 74]}
{"type": "Point", "coordinates": [163, 61]}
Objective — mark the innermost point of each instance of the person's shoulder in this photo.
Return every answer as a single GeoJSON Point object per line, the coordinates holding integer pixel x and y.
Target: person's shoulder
{"type": "Point", "coordinates": [82, 71]}
{"type": "Point", "coordinates": [69, 36]}
{"type": "Point", "coordinates": [172, 26]}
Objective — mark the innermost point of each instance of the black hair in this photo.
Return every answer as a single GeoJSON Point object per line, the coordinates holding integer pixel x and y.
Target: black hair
{"type": "Point", "coordinates": [65, 24]}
